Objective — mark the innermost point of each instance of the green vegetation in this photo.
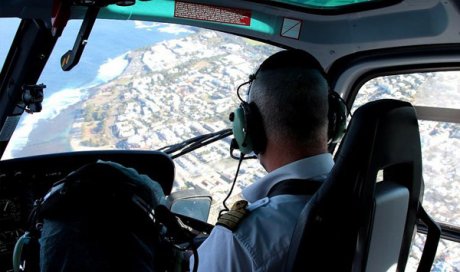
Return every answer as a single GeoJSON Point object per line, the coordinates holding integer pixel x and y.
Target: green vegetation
{"type": "Point", "coordinates": [94, 142]}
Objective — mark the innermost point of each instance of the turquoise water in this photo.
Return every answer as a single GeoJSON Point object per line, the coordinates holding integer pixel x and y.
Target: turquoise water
{"type": "Point", "coordinates": [108, 40]}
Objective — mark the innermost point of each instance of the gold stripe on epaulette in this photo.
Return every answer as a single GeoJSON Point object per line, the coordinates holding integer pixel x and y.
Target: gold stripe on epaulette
{"type": "Point", "coordinates": [232, 218]}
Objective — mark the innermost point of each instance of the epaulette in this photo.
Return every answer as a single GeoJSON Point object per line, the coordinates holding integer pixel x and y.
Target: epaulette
{"type": "Point", "coordinates": [232, 218]}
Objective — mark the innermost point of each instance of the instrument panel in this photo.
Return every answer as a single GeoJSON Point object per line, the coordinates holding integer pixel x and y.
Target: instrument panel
{"type": "Point", "coordinates": [24, 180]}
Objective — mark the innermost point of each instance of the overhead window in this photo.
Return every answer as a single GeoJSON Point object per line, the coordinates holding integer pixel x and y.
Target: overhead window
{"type": "Point", "coordinates": [331, 4]}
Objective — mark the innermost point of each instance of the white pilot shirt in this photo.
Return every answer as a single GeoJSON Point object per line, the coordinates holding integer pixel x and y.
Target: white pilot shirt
{"type": "Point", "coordinates": [261, 240]}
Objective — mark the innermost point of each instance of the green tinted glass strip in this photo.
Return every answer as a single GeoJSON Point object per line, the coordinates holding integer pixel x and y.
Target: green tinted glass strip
{"type": "Point", "coordinates": [323, 3]}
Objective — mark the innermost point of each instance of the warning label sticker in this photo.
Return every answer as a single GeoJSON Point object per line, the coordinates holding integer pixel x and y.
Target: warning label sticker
{"type": "Point", "coordinates": [212, 13]}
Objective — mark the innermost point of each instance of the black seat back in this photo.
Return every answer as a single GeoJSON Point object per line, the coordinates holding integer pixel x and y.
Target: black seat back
{"type": "Point", "coordinates": [336, 227]}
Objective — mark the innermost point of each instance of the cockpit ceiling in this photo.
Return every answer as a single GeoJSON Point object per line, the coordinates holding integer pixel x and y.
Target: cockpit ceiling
{"type": "Point", "coordinates": [361, 25]}
{"type": "Point", "coordinates": [43, 8]}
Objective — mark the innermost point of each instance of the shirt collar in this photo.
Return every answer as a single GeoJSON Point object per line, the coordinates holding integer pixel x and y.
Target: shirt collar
{"type": "Point", "coordinates": [311, 167]}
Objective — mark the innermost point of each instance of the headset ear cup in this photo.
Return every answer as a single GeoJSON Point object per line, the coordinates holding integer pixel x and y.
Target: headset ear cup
{"type": "Point", "coordinates": [240, 129]}
{"type": "Point", "coordinates": [248, 129]}
{"type": "Point", "coordinates": [337, 116]}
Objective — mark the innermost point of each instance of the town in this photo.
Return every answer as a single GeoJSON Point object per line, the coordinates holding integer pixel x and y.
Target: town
{"type": "Point", "coordinates": [173, 91]}
{"type": "Point", "coordinates": [181, 88]}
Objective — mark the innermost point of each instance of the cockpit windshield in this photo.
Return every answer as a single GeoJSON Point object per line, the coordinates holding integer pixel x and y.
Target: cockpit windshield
{"type": "Point", "coordinates": [158, 85]}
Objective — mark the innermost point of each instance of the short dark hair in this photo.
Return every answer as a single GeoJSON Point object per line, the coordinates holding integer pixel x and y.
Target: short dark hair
{"type": "Point", "coordinates": [291, 92]}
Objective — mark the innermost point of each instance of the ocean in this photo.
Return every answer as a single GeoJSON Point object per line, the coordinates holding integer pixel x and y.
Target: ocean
{"type": "Point", "coordinates": [103, 59]}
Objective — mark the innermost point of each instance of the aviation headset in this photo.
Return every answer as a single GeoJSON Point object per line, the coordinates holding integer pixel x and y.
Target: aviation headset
{"type": "Point", "coordinates": [248, 129]}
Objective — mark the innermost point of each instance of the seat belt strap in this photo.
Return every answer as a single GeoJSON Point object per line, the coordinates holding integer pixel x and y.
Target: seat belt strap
{"type": "Point", "coordinates": [296, 187]}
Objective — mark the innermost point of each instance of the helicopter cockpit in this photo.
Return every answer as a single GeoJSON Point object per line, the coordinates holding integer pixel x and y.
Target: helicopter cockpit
{"type": "Point", "coordinates": [151, 84]}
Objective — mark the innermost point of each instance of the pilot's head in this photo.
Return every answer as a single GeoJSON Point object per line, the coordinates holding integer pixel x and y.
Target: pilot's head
{"type": "Point", "coordinates": [291, 94]}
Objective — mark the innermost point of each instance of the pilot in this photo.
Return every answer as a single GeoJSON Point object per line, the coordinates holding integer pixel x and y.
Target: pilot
{"type": "Point", "coordinates": [290, 94]}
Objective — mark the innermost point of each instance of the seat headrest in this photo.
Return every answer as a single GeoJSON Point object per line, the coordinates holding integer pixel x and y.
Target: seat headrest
{"type": "Point", "coordinates": [382, 133]}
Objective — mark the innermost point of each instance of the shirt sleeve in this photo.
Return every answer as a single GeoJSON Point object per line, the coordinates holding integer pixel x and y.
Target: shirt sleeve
{"type": "Point", "coordinates": [221, 251]}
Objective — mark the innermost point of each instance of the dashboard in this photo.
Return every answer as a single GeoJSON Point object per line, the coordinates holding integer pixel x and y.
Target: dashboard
{"type": "Point", "coordinates": [24, 180]}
